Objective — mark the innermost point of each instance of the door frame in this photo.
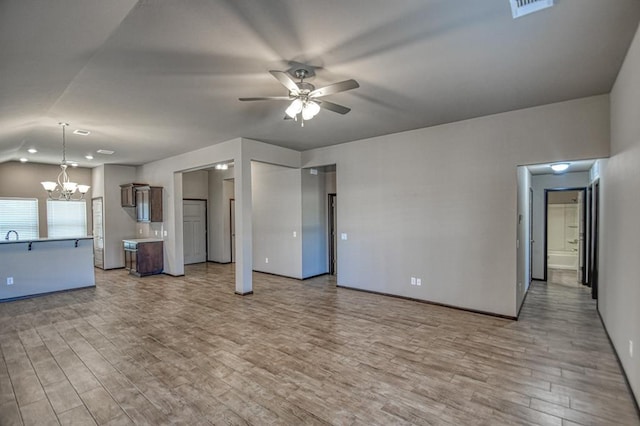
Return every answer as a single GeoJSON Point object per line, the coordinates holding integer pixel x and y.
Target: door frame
{"type": "Point", "coordinates": [332, 232]}
{"type": "Point", "coordinates": [584, 220]}
{"type": "Point", "coordinates": [232, 229]}
{"type": "Point", "coordinates": [594, 226]}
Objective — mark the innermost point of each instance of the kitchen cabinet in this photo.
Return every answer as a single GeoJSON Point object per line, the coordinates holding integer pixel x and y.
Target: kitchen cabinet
{"type": "Point", "coordinates": [127, 194]}
{"type": "Point", "coordinates": [144, 256]}
{"type": "Point", "coordinates": [148, 203]}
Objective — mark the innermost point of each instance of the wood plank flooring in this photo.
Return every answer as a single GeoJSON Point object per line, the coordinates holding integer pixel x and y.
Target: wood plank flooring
{"type": "Point", "coordinates": [165, 350]}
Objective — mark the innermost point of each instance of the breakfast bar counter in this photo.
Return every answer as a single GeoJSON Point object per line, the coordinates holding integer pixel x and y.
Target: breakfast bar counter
{"type": "Point", "coordinates": [45, 265]}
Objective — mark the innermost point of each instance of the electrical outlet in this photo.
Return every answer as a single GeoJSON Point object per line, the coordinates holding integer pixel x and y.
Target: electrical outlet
{"type": "Point", "coordinates": [295, 234]}
{"type": "Point", "coordinates": [418, 281]}
{"type": "Point", "coordinates": [140, 231]}
{"type": "Point", "coordinates": [165, 233]}
{"type": "Point", "coordinates": [413, 280]}
{"type": "Point", "coordinates": [156, 233]}
{"type": "Point", "coordinates": [630, 348]}
{"type": "Point", "coordinates": [9, 280]}
{"type": "Point", "coordinates": [266, 260]}
{"type": "Point", "coordinates": [343, 236]}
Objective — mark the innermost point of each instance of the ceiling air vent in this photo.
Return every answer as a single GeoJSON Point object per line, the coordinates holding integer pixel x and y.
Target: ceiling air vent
{"type": "Point", "coordinates": [524, 7]}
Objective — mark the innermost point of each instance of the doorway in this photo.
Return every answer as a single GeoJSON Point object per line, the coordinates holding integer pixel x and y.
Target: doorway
{"type": "Point", "coordinates": [565, 223]}
{"type": "Point", "coordinates": [194, 231]}
{"type": "Point", "coordinates": [333, 236]}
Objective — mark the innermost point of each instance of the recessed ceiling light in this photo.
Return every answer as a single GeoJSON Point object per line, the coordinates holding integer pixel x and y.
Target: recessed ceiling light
{"type": "Point", "coordinates": [89, 157]}
{"type": "Point", "coordinates": [559, 167]}
{"type": "Point", "coordinates": [74, 164]}
{"type": "Point", "coordinates": [81, 132]}
{"type": "Point", "coordinates": [23, 160]}
{"type": "Point", "coordinates": [105, 151]}
{"type": "Point", "coordinates": [32, 150]}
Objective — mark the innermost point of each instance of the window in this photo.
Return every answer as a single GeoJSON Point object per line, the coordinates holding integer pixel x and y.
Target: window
{"type": "Point", "coordinates": [20, 215]}
{"type": "Point", "coordinates": [66, 218]}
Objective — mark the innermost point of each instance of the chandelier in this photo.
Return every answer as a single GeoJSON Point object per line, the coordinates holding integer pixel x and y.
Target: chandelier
{"type": "Point", "coordinates": [64, 189]}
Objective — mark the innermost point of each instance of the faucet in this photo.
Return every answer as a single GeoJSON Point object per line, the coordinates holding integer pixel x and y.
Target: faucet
{"type": "Point", "coordinates": [9, 233]}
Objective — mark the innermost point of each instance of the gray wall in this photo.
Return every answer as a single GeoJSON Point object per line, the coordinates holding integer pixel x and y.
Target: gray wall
{"type": "Point", "coordinates": [523, 236]}
{"type": "Point", "coordinates": [620, 236]}
{"type": "Point", "coordinates": [277, 215]}
{"type": "Point", "coordinates": [314, 223]}
{"type": "Point", "coordinates": [441, 203]}
{"type": "Point", "coordinates": [23, 180]}
{"type": "Point", "coordinates": [220, 192]}
{"type": "Point", "coordinates": [119, 222]}
{"type": "Point", "coordinates": [539, 183]}
{"type": "Point", "coordinates": [195, 185]}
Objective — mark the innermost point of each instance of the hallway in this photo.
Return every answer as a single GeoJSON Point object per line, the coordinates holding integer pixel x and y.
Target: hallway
{"type": "Point", "coordinates": [166, 350]}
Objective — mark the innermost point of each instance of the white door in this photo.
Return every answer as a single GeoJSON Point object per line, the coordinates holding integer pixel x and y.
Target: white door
{"type": "Point", "coordinates": [194, 231]}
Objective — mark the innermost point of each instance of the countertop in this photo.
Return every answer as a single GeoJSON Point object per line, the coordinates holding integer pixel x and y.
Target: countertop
{"type": "Point", "coordinates": [44, 240]}
{"type": "Point", "coordinates": [142, 240]}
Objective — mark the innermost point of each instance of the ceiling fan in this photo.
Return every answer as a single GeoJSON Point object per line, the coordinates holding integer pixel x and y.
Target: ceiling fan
{"type": "Point", "coordinates": [304, 97]}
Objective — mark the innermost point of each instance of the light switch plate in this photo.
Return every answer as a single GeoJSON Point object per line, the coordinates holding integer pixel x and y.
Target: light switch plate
{"type": "Point", "coordinates": [343, 236]}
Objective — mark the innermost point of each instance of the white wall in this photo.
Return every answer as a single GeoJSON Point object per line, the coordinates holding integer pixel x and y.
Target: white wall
{"type": "Point", "coordinates": [195, 185]}
{"type": "Point", "coordinates": [119, 222]}
{"type": "Point", "coordinates": [440, 203]}
{"type": "Point", "coordinates": [619, 291]}
{"type": "Point", "coordinates": [523, 236]}
{"type": "Point", "coordinates": [168, 174]}
{"type": "Point", "coordinates": [218, 208]}
{"type": "Point", "coordinates": [539, 183]}
{"type": "Point", "coordinates": [277, 216]}
{"type": "Point", "coordinates": [314, 223]}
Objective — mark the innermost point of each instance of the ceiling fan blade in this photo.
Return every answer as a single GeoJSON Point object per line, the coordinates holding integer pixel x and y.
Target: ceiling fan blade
{"type": "Point", "coordinates": [286, 81]}
{"type": "Point", "coordinates": [267, 98]}
{"type": "Point", "coordinates": [334, 88]}
{"type": "Point", "coordinates": [333, 107]}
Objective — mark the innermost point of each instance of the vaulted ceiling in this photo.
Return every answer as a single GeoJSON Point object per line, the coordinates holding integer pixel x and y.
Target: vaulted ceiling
{"type": "Point", "coordinates": [154, 78]}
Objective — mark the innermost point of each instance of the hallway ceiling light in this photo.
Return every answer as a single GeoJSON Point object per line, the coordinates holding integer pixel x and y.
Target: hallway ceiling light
{"type": "Point", "coordinates": [64, 189]}
{"type": "Point", "coordinates": [559, 167]}
{"type": "Point", "coordinates": [223, 166]}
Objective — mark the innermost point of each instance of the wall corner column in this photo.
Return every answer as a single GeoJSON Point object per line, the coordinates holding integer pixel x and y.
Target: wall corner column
{"type": "Point", "coordinates": [244, 225]}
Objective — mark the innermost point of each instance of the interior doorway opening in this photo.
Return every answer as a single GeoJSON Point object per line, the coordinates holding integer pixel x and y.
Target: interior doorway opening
{"type": "Point", "coordinates": [565, 243]}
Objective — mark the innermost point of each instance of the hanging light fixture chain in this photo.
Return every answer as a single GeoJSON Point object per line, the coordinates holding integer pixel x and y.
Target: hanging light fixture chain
{"type": "Point", "coordinates": [64, 143]}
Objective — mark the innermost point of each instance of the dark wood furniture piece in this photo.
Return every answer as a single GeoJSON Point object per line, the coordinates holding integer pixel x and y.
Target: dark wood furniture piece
{"type": "Point", "coordinates": [148, 203]}
{"type": "Point", "coordinates": [144, 258]}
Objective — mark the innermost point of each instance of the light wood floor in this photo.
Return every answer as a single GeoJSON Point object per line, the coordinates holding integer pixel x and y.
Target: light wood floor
{"type": "Point", "coordinates": [165, 350]}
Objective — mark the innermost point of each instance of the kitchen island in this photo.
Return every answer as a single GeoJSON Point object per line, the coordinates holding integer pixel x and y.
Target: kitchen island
{"type": "Point", "coordinates": [45, 265]}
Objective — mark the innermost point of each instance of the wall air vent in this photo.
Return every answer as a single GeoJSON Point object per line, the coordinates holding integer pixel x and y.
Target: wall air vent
{"type": "Point", "coordinates": [524, 7]}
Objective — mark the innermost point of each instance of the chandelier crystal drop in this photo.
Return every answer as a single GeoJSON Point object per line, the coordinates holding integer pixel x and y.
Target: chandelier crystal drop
{"type": "Point", "coordinates": [64, 189]}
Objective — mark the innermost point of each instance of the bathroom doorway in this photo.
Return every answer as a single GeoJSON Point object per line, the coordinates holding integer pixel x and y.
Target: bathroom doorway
{"type": "Point", "coordinates": [565, 253]}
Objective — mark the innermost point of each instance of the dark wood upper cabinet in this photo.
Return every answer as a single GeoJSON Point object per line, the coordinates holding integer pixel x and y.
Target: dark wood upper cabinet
{"type": "Point", "coordinates": [148, 201]}
{"type": "Point", "coordinates": [128, 195]}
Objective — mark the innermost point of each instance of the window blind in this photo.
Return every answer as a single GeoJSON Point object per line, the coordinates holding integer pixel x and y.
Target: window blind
{"type": "Point", "coordinates": [66, 218]}
{"type": "Point", "coordinates": [20, 215]}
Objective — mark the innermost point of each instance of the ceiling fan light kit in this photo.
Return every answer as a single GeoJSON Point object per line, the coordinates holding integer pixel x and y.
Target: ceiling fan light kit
{"type": "Point", "coordinates": [304, 96]}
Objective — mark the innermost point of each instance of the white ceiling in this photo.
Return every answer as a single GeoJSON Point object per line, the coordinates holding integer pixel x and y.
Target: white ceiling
{"type": "Point", "coordinates": [155, 78]}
